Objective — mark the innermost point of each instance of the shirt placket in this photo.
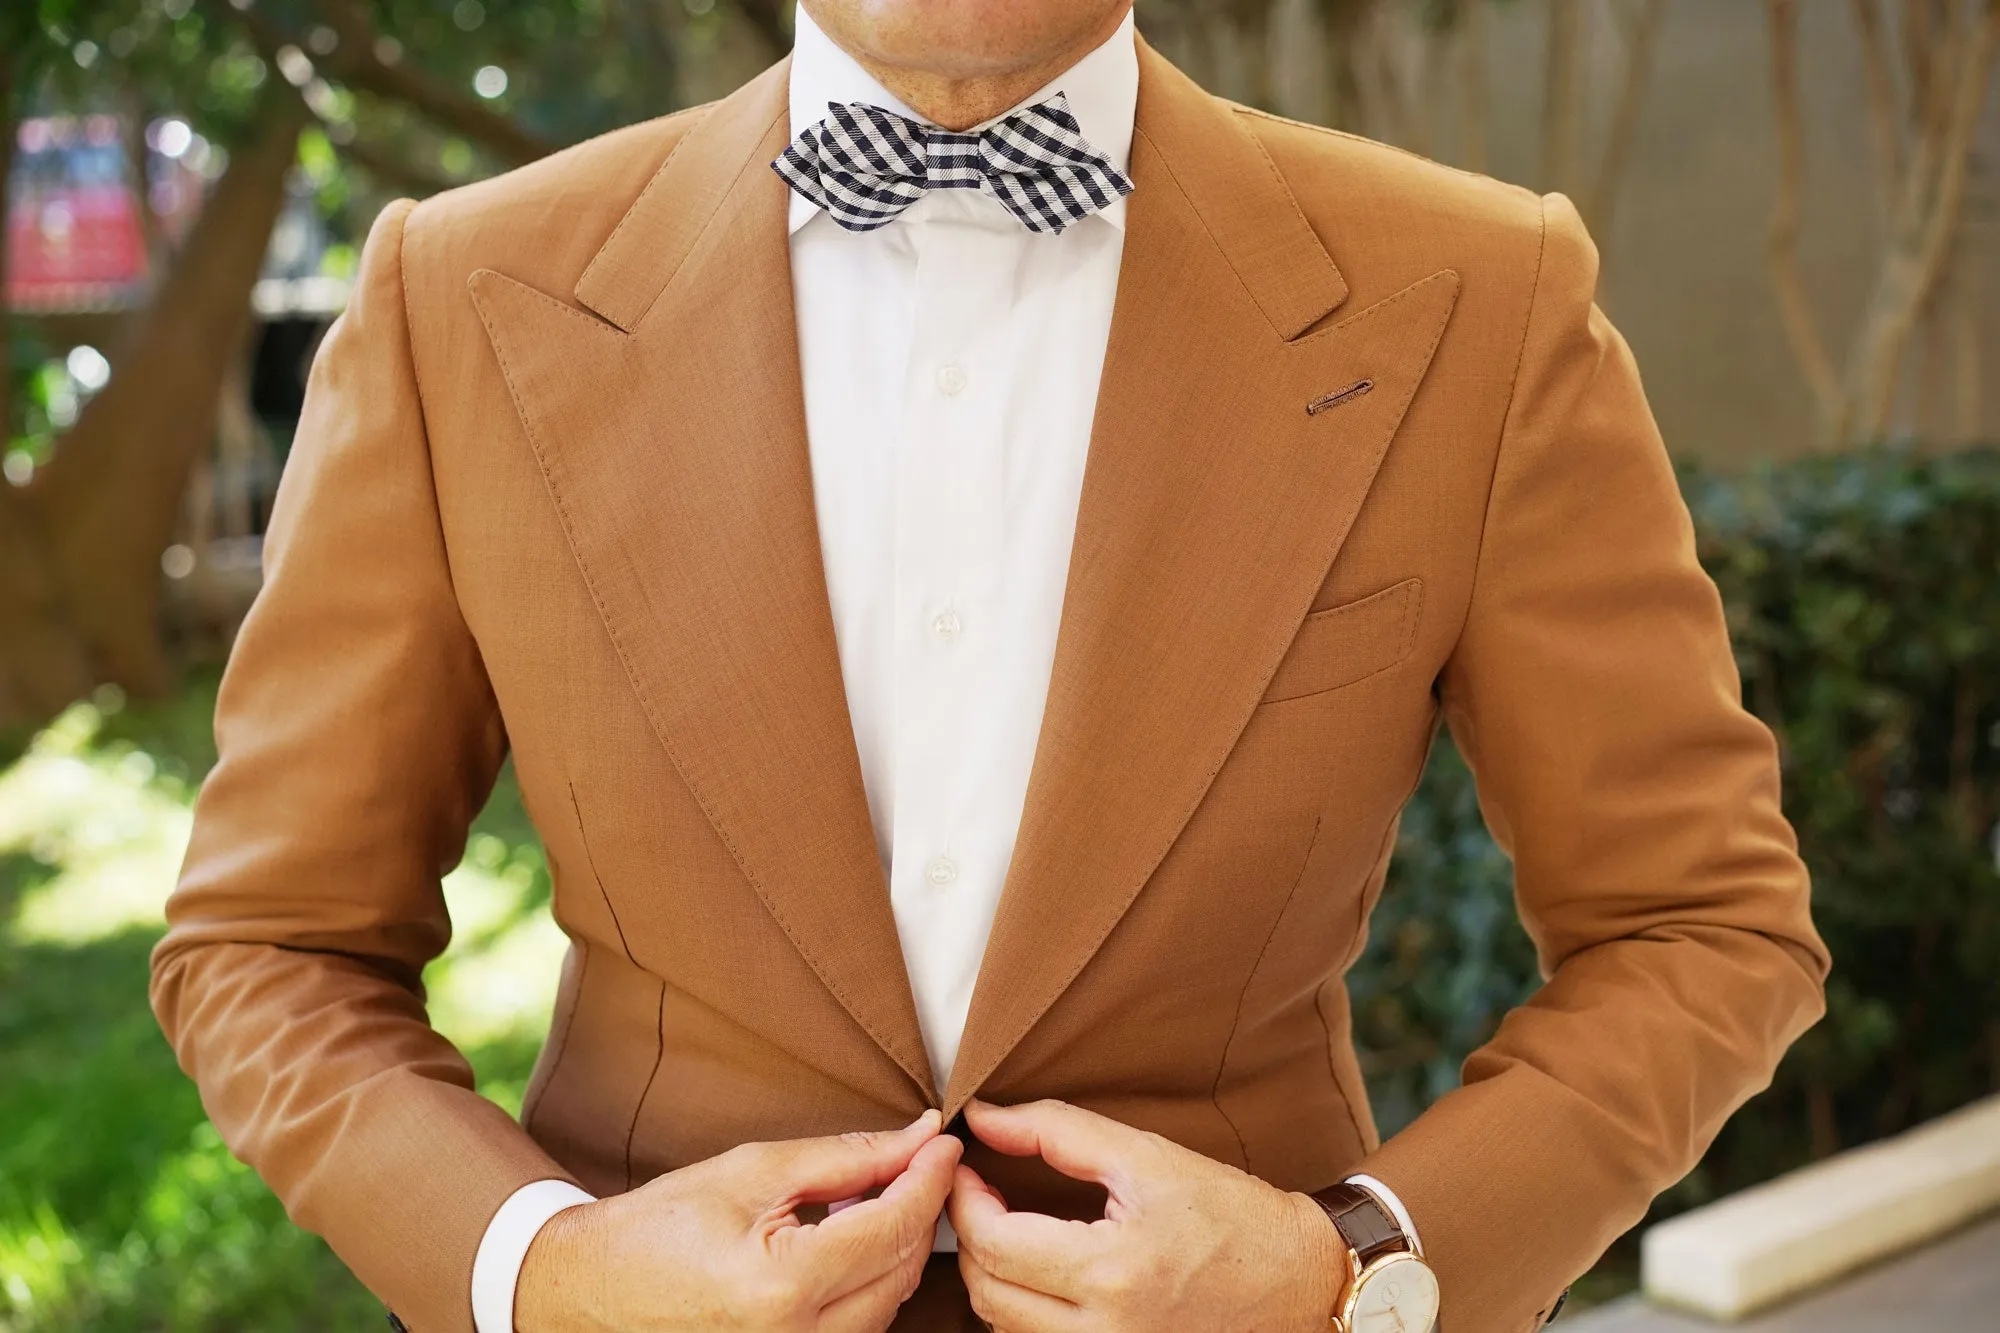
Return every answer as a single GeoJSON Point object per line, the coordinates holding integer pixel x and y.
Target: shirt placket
{"type": "Point", "coordinates": [945, 878]}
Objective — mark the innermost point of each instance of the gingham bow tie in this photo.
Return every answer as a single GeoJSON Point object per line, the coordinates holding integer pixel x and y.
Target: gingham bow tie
{"type": "Point", "coordinates": [864, 165]}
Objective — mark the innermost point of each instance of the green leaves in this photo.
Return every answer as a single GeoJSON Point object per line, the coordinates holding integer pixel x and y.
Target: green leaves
{"type": "Point", "coordinates": [1867, 597]}
{"type": "Point", "coordinates": [1446, 956]}
{"type": "Point", "coordinates": [1863, 595]}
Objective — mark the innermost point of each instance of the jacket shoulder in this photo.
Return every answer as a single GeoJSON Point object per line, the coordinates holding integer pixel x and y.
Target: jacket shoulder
{"type": "Point", "coordinates": [541, 223]}
{"type": "Point", "coordinates": [1389, 216]}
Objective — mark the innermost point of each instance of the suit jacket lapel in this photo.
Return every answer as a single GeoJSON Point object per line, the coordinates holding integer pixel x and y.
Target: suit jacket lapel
{"type": "Point", "coordinates": [670, 429]}
{"type": "Point", "coordinates": [1213, 505]}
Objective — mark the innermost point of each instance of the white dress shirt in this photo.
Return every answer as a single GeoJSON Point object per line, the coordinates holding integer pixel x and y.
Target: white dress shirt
{"type": "Point", "coordinates": [950, 363]}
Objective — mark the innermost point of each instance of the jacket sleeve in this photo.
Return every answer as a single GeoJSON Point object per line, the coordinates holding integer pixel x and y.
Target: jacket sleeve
{"type": "Point", "coordinates": [1594, 694]}
{"type": "Point", "coordinates": [358, 736]}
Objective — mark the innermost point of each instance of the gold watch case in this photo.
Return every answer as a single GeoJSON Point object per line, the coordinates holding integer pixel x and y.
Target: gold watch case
{"type": "Point", "coordinates": [1396, 1293]}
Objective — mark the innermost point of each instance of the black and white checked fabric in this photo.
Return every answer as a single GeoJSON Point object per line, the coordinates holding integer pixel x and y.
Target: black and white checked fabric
{"type": "Point", "coordinates": [865, 165]}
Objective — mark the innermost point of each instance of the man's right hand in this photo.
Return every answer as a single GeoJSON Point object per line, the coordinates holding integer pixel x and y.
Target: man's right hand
{"type": "Point", "coordinates": [719, 1245]}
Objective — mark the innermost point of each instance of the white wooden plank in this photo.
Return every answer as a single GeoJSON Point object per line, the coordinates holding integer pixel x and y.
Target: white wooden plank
{"type": "Point", "coordinates": [1750, 1250]}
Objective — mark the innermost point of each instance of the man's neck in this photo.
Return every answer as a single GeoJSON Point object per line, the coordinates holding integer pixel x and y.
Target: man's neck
{"type": "Point", "coordinates": [959, 103]}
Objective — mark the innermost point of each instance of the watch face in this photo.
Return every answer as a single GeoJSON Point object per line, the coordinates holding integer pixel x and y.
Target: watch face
{"type": "Point", "coordinates": [1398, 1294]}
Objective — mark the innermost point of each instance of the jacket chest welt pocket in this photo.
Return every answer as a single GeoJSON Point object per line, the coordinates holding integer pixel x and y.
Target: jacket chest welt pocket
{"type": "Point", "coordinates": [1350, 642]}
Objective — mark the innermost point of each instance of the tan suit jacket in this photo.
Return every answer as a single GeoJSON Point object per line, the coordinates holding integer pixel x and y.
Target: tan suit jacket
{"type": "Point", "coordinates": [551, 497]}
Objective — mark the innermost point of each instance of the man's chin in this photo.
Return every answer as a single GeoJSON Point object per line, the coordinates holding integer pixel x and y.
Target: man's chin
{"type": "Point", "coordinates": [966, 39]}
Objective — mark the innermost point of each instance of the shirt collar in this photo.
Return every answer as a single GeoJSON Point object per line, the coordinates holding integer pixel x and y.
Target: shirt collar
{"type": "Point", "coordinates": [1103, 92]}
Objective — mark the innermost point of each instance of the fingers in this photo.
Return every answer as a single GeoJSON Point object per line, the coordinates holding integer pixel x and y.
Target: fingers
{"type": "Point", "coordinates": [1046, 1254]}
{"type": "Point", "coordinates": [826, 1169]}
{"type": "Point", "coordinates": [1011, 1308]}
{"type": "Point", "coordinates": [891, 1233]}
{"type": "Point", "coordinates": [969, 1189]}
{"type": "Point", "coordinates": [974, 1208]}
{"type": "Point", "coordinates": [872, 1306]}
{"type": "Point", "coordinates": [1081, 1144]}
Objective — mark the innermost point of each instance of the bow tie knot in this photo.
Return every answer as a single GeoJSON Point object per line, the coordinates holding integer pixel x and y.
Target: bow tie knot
{"type": "Point", "coordinates": [865, 165]}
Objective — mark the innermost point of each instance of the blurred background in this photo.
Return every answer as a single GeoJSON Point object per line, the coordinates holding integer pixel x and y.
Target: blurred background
{"type": "Point", "coordinates": [1798, 203]}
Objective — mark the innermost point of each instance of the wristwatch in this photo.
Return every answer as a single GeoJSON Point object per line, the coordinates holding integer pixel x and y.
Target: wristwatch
{"type": "Point", "coordinates": [1387, 1288]}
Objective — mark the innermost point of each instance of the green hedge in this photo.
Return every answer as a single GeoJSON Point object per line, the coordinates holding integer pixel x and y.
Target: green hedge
{"type": "Point", "coordinates": [1864, 602]}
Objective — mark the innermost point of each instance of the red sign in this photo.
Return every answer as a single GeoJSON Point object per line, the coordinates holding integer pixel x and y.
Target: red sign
{"type": "Point", "coordinates": [74, 237]}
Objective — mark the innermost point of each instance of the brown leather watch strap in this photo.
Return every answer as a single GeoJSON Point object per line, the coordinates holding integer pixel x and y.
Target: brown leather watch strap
{"type": "Point", "coordinates": [1362, 1222]}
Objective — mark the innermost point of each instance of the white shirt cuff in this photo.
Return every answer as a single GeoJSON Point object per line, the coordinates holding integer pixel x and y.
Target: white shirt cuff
{"type": "Point", "coordinates": [1383, 1195]}
{"type": "Point", "coordinates": [496, 1268]}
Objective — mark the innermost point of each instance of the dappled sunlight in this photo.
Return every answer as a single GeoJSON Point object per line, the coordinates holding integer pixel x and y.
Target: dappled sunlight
{"type": "Point", "coordinates": [109, 834]}
{"type": "Point", "coordinates": [498, 979]}
{"type": "Point", "coordinates": [205, 1247]}
{"type": "Point", "coordinates": [120, 1207]}
{"type": "Point", "coordinates": [38, 1260]}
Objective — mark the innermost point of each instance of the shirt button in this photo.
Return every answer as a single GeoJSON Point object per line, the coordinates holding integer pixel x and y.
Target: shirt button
{"type": "Point", "coordinates": [946, 626]}
{"type": "Point", "coordinates": [950, 379]}
{"type": "Point", "coordinates": [941, 871]}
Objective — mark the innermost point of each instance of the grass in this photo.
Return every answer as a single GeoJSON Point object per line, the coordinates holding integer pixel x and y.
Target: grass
{"type": "Point", "coordinates": [120, 1209]}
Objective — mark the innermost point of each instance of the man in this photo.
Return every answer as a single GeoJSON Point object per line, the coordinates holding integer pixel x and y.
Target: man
{"type": "Point", "coordinates": [968, 541]}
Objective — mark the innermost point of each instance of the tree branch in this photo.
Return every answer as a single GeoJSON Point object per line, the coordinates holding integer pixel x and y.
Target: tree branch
{"type": "Point", "coordinates": [1436, 53]}
{"type": "Point", "coordinates": [767, 19]}
{"type": "Point", "coordinates": [1917, 52]}
{"type": "Point", "coordinates": [8, 139]}
{"type": "Point", "coordinates": [644, 22]}
{"type": "Point", "coordinates": [1400, 121]}
{"type": "Point", "coordinates": [1473, 105]}
{"type": "Point", "coordinates": [388, 168]}
{"type": "Point", "coordinates": [1249, 24]}
{"type": "Point", "coordinates": [393, 169]}
{"type": "Point", "coordinates": [1929, 221]}
{"type": "Point", "coordinates": [1967, 270]}
{"type": "Point", "coordinates": [1562, 85]}
{"type": "Point", "coordinates": [1641, 37]}
{"type": "Point", "coordinates": [1782, 248]}
{"type": "Point", "coordinates": [1341, 22]}
{"type": "Point", "coordinates": [355, 62]}
{"type": "Point", "coordinates": [1882, 123]}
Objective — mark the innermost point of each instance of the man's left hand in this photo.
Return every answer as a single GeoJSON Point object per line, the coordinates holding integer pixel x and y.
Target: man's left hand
{"type": "Point", "coordinates": [1185, 1241]}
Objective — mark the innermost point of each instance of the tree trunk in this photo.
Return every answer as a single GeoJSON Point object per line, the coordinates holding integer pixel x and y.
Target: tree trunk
{"type": "Point", "coordinates": [102, 511]}
{"type": "Point", "coordinates": [1473, 102]}
{"type": "Point", "coordinates": [1349, 110]}
{"type": "Point", "coordinates": [1641, 35]}
{"type": "Point", "coordinates": [1562, 96]}
{"type": "Point", "coordinates": [1883, 128]}
{"type": "Point", "coordinates": [1967, 273]}
{"type": "Point", "coordinates": [42, 664]}
{"type": "Point", "coordinates": [9, 132]}
{"type": "Point", "coordinates": [1927, 220]}
{"type": "Point", "coordinates": [1801, 328]}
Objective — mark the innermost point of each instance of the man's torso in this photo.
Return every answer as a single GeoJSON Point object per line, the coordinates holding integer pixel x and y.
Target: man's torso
{"type": "Point", "coordinates": [1258, 601]}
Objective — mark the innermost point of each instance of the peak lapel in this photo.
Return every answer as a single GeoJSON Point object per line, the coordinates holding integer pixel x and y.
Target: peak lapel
{"type": "Point", "coordinates": [1213, 505]}
{"type": "Point", "coordinates": [671, 434]}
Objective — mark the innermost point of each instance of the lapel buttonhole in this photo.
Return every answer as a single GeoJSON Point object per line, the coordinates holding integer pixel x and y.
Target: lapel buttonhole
{"type": "Point", "coordinates": [1338, 396]}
